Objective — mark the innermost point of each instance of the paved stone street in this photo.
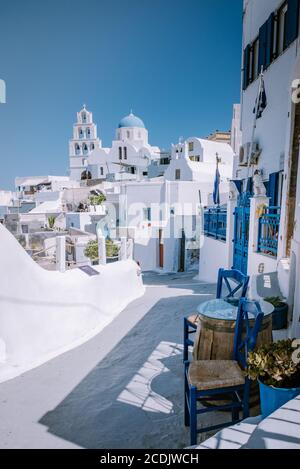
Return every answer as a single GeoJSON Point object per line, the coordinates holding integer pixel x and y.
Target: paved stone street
{"type": "Point", "coordinates": [122, 389]}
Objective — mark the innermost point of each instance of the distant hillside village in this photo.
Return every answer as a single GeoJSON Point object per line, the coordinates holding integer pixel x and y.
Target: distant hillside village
{"type": "Point", "coordinates": [161, 207]}
{"type": "Point", "coordinates": [146, 200]}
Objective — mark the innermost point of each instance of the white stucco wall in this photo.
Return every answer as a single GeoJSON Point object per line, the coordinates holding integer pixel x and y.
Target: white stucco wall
{"type": "Point", "coordinates": [45, 313]}
{"type": "Point", "coordinates": [213, 256]}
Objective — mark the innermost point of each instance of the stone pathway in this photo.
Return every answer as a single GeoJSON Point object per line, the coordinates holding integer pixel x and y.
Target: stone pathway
{"type": "Point", "coordinates": [122, 389]}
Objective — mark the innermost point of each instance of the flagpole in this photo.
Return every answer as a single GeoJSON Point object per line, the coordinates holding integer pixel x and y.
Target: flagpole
{"type": "Point", "coordinates": [217, 171]}
{"type": "Point", "coordinates": [255, 121]}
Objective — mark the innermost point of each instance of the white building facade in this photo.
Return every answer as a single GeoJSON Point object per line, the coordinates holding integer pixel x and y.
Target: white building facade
{"type": "Point", "coordinates": [128, 157]}
{"type": "Point", "coordinates": [272, 236]}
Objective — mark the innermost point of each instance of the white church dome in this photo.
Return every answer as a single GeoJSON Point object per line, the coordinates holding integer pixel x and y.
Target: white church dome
{"type": "Point", "coordinates": [131, 121]}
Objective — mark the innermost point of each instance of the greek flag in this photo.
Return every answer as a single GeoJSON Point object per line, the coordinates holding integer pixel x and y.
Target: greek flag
{"type": "Point", "coordinates": [216, 194]}
{"type": "Point", "coordinates": [261, 101]}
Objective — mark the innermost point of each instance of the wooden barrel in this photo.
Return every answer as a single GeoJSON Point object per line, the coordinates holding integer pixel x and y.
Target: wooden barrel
{"type": "Point", "coordinates": [214, 338]}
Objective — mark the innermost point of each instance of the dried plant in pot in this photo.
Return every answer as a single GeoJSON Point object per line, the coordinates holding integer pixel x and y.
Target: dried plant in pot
{"type": "Point", "coordinates": [276, 366]}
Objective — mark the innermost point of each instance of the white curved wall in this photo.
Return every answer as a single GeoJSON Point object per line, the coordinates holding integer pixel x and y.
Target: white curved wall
{"type": "Point", "coordinates": [43, 313]}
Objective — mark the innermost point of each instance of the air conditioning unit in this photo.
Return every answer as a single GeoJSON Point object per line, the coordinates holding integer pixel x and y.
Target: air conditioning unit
{"type": "Point", "coordinates": [244, 154]}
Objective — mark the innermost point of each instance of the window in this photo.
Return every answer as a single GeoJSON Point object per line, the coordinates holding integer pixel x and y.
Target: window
{"type": "Point", "coordinates": [191, 146]}
{"type": "Point", "coordinates": [83, 117]}
{"type": "Point", "coordinates": [255, 51]}
{"type": "Point", "coordinates": [85, 149]}
{"type": "Point", "coordinates": [125, 153]}
{"type": "Point", "coordinates": [101, 171]}
{"type": "Point", "coordinates": [195, 158]}
{"type": "Point", "coordinates": [281, 28]}
{"type": "Point", "coordinates": [265, 47]}
{"type": "Point", "coordinates": [275, 35]}
{"type": "Point", "coordinates": [80, 133]}
{"type": "Point", "coordinates": [88, 132]}
{"type": "Point", "coordinates": [120, 153]}
{"type": "Point", "coordinates": [292, 22]}
{"type": "Point", "coordinates": [246, 67]}
{"type": "Point", "coordinates": [77, 149]}
{"type": "Point", "coordinates": [165, 161]}
{"type": "Point", "coordinates": [92, 147]}
{"type": "Point", "coordinates": [177, 174]}
{"type": "Point", "coordinates": [147, 214]}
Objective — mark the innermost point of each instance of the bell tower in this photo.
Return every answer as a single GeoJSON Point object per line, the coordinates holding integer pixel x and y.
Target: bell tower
{"type": "Point", "coordinates": [82, 144]}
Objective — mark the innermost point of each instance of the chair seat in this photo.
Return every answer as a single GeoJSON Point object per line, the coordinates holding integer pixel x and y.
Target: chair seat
{"type": "Point", "coordinates": [194, 319]}
{"type": "Point", "coordinates": [215, 374]}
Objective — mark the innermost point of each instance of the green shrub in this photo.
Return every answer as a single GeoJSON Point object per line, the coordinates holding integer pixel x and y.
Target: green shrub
{"type": "Point", "coordinates": [91, 250]}
{"type": "Point", "coordinates": [51, 222]}
{"type": "Point", "coordinates": [97, 199]}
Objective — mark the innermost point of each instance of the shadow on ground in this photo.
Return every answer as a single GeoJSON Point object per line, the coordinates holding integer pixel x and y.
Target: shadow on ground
{"type": "Point", "coordinates": [134, 397]}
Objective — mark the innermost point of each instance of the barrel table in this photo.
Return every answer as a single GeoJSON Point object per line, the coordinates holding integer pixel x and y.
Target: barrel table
{"type": "Point", "coordinates": [215, 335]}
{"type": "Point", "coordinates": [216, 325]}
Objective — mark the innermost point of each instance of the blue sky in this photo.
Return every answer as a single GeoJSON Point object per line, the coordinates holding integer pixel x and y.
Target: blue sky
{"type": "Point", "coordinates": [176, 63]}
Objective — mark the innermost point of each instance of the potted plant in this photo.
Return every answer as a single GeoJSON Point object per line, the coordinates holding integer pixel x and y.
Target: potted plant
{"type": "Point", "coordinates": [91, 251]}
{"type": "Point", "coordinates": [280, 313]}
{"type": "Point", "coordinates": [276, 366]}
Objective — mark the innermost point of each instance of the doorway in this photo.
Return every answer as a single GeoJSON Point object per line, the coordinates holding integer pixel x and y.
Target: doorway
{"type": "Point", "coordinates": [161, 250]}
{"type": "Point", "coordinates": [292, 183]}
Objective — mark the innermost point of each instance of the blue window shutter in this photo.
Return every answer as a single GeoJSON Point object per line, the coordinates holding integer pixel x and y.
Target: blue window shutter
{"type": "Point", "coordinates": [262, 46]}
{"type": "Point", "coordinates": [269, 41]}
{"type": "Point", "coordinates": [292, 21]}
{"type": "Point", "coordinates": [273, 189]}
{"type": "Point", "coordinates": [246, 70]}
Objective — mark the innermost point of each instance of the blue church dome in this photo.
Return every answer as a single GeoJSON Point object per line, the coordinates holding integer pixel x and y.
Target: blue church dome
{"type": "Point", "coordinates": [131, 121]}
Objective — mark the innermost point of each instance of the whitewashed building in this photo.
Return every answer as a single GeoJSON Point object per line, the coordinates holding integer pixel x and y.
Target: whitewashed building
{"type": "Point", "coordinates": [165, 230]}
{"type": "Point", "coordinates": [128, 157]}
{"type": "Point", "coordinates": [266, 232]}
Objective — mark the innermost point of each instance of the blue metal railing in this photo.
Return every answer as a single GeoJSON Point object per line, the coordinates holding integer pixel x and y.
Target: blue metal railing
{"type": "Point", "coordinates": [268, 231]}
{"type": "Point", "coordinates": [215, 223]}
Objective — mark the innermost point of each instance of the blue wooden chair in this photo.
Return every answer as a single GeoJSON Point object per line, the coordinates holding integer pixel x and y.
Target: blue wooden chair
{"type": "Point", "coordinates": [213, 379]}
{"type": "Point", "coordinates": [232, 284]}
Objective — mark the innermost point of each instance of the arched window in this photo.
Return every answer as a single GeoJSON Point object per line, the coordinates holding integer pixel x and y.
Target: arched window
{"type": "Point", "coordinates": [88, 133]}
{"type": "Point", "coordinates": [86, 175]}
{"type": "Point", "coordinates": [92, 147]}
{"type": "Point", "coordinates": [84, 148]}
{"type": "Point", "coordinates": [83, 117]}
{"type": "Point", "coordinates": [80, 133]}
{"type": "Point", "coordinates": [77, 149]}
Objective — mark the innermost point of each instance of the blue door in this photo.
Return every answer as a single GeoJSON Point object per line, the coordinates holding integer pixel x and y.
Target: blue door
{"type": "Point", "coordinates": [241, 238]}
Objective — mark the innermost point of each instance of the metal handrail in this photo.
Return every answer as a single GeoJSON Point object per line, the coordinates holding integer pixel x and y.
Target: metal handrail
{"type": "Point", "coordinates": [268, 231]}
{"type": "Point", "coordinates": [215, 223]}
